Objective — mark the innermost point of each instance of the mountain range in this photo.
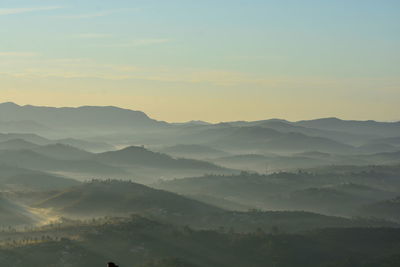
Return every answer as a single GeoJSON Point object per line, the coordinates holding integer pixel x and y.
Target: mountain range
{"type": "Point", "coordinates": [86, 117]}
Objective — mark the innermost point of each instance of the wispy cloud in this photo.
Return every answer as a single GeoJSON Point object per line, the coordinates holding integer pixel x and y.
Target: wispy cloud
{"type": "Point", "coordinates": [97, 14]}
{"type": "Point", "coordinates": [85, 16]}
{"type": "Point", "coordinates": [140, 42]}
{"type": "Point", "coordinates": [18, 54]}
{"type": "Point", "coordinates": [14, 11]}
{"type": "Point", "coordinates": [86, 68]}
{"type": "Point", "coordinates": [91, 35]}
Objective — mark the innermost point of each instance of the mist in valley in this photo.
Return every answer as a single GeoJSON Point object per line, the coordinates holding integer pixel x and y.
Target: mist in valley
{"type": "Point", "coordinates": [82, 188]}
{"type": "Point", "coordinates": [229, 133]}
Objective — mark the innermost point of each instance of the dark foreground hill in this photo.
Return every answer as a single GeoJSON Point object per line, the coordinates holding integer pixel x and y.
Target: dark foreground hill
{"type": "Point", "coordinates": [145, 243]}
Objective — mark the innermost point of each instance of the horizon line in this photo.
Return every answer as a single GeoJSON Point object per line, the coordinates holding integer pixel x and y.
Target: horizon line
{"type": "Point", "coordinates": [193, 120]}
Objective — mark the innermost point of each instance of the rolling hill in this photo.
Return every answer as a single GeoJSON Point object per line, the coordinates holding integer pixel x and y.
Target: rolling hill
{"type": "Point", "coordinates": [62, 152]}
{"type": "Point", "coordinates": [389, 209]}
{"type": "Point", "coordinates": [257, 139]}
{"type": "Point", "coordinates": [35, 139]}
{"type": "Point", "coordinates": [17, 144]}
{"type": "Point", "coordinates": [297, 142]}
{"type": "Point", "coordinates": [327, 193]}
{"type": "Point", "coordinates": [31, 138]}
{"type": "Point", "coordinates": [383, 129]}
{"type": "Point", "coordinates": [29, 159]}
{"type": "Point", "coordinates": [17, 179]}
{"type": "Point", "coordinates": [91, 146]}
{"type": "Point", "coordinates": [135, 163]}
{"type": "Point", "coordinates": [12, 214]}
{"type": "Point", "coordinates": [134, 155]}
{"type": "Point", "coordinates": [101, 198]}
{"type": "Point", "coordinates": [193, 151]}
{"type": "Point", "coordinates": [122, 126]}
{"type": "Point", "coordinates": [292, 127]}
{"type": "Point", "coordinates": [391, 141]}
{"type": "Point", "coordinates": [111, 198]}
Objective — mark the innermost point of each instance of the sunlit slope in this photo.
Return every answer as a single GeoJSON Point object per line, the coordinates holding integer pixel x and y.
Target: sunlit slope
{"type": "Point", "coordinates": [12, 214]}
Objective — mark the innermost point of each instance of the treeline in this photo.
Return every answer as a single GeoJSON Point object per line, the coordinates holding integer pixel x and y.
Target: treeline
{"type": "Point", "coordinates": [141, 242]}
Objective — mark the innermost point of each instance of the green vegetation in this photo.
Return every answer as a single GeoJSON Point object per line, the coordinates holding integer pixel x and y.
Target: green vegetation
{"type": "Point", "coordinates": [145, 243]}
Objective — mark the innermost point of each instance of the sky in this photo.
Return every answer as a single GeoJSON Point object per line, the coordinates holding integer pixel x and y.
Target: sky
{"type": "Point", "coordinates": [212, 60]}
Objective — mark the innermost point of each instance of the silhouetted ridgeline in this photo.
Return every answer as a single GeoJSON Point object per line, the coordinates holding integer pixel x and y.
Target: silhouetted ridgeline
{"type": "Point", "coordinates": [87, 117]}
{"type": "Point", "coordinates": [84, 186]}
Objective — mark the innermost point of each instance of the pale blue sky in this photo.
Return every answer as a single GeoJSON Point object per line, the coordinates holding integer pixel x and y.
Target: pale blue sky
{"type": "Point", "coordinates": [213, 60]}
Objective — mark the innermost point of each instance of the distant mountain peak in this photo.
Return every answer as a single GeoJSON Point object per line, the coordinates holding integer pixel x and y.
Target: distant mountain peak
{"type": "Point", "coordinates": [328, 119]}
{"type": "Point", "coordinates": [331, 118]}
{"type": "Point", "coordinates": [134, 148]}
{"type": "Point", "coordinates": [78, 118]}
{"type": "Point", "coordinates": [200, 122]}
{"type": "Point", "coordinates": [9, 104]}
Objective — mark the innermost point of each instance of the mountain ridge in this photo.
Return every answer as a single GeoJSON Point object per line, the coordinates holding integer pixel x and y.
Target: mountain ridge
{"type": "Point", "coordinates": [80, 117]}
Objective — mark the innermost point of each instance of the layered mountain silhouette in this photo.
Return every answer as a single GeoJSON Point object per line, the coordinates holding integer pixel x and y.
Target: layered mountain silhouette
{"type": "Point", "coordinates": [119, 126]}
{"type": "Point", "coordinates": [335, 191]}
{"type": "Point", "coordinates": [193, 151]}
{"type": "Point", "coordinates": [81, 143]}
{"type": "Point", "coordinates": [255, 139]}
{"type": "Point", "coordinates": [35, 139]}
{"type": "Point", "coordinates": [100, 198]}
{"type": "Point", "coordinates": [132, 162]}
{"type": "Point", "coordinates": [388, 209]}
{"type": "Point", "coordinates": [17, 144]}
{"type": "Point", "coordinates": [389, 129]}
{"type": "Point", "coordinates": [33, 160]}
{"type": "Point", "coordinates": [135, 155]}
{"type": "Point", "coordinates": [14, 178]}
{"type": "Point", "coordinates": [87, 117]}
{"type": "Point", "coordinates": [32, 138]}
{"type": "Point", "coordinates": [23, 126]}
{"type": "Point", "coordinates": [62, 152]}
